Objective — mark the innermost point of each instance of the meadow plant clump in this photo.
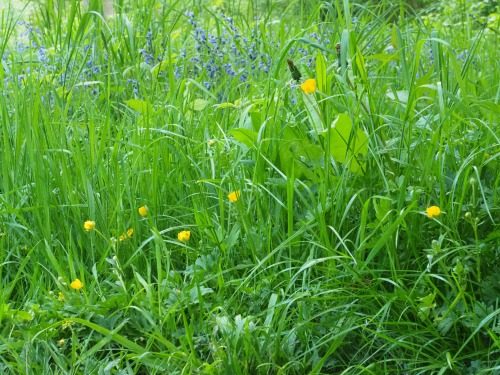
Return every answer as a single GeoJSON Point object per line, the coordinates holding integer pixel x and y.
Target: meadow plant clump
{"type": "Point", "coordinates": [260, 188]}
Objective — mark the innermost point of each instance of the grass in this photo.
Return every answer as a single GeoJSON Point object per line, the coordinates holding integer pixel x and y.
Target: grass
{"type": "Point", "coordinates": [309, 250]}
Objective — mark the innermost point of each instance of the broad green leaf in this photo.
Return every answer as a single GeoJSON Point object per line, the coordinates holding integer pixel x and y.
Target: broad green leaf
{"type": "Point", "coordinates": [313, 112]}
{"type": "Point", "coordinates": [158, 68]}
{"type": "Point", "coordinates": [225, 105]}
{"type": "Point", "coordinates": [360, 63]}
{"type": "Point", "coordinates": [199, 104]}
{"type": "Point", "coordinates": [347, 145]}
{"type": "Point", "coordinates": [138, 105]}
{"type": "Point", "coordinates": [22, 315]}
{"type": "Point", "coordinates": [175, 34]}
{"type": "Point", "coordinates": [299, 155]}
{"type": "Point", "coordinates": [321, 72]}
{"type": "Point", "coordinates": [384, 57]}
{"type": "Point", "coordinates": [400, 96]}
{"type": "Point", "coordinates": [64, 93]}
{"type": "Point", "coordinates": [425, 305]}
{"type": "Point", "coordinates": [246, 136]}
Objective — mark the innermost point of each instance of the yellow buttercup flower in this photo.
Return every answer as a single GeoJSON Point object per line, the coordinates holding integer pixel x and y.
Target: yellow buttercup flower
{"type": "Point", "coordinates": [184, 235]}
{"type": "Point", "coordinates": [143, 211]}
{"type": "Point", "coordinates": [60, 342]}
{"type": "Point", "coordinates": [234, 196]}
{"type": "Point", "coordinates": [129, 234]}
{"type": "Point", "coordinates": [76, 284]}
{"type": "Point", "coordinates": [66, 324]}
{"type": "Point", "coordinates": [309, 86]}
{"type": "Point", "coordinates": [88, 225]}
{"type": "Point", "coordinates": [433, 211]}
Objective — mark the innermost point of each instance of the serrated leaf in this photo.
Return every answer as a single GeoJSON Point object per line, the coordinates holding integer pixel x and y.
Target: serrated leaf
{"type": "Point", "coordinates": [23, 316]}
{"type": "Point", "coordinates": [198, 291]}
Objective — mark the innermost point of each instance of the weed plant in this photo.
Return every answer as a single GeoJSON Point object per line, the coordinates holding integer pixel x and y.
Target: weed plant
{"type": "Point", "coordinates": [172, 201]}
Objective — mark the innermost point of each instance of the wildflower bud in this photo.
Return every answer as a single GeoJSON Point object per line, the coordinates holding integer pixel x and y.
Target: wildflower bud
{"type": "Point", "coordinates": [472, 181]}
{"type": "Point", "coordinates": [234, 196]}
{"type": "Point", "coordinates": [211, 143]}
{"type": "Point", "coordinates": [88, 225]}
{"type": "Point", "coordinates": [143, 211]}
{"type": "Point", "coordinates": [436, 246]}
{"type": "Point", "coordinates": [468, 215]}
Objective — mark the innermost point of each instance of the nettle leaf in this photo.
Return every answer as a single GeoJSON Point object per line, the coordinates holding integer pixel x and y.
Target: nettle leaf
{"type": "Point", "coordinates": [138, 105]}
{"type": "Point", "coordinates": [346, 144]}
{"type": "Point", "coordinates": [246, 136]}
{"type": "Point", "coordinates": [198, 291]}
{"type": "Point", "coordinates": [425, 305]}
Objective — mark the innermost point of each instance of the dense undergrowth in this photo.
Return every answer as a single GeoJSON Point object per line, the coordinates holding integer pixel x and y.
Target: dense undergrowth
{"type": "Point", "coordinates": [173, 201]}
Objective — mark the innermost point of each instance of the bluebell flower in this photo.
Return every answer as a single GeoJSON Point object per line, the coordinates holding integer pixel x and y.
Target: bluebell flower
{"type": "Point", "coordinates": [42, 57]}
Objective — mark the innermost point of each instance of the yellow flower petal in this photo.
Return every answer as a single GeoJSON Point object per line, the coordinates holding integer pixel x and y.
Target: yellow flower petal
{"type": "Point", "coordinates": [130, 232]}
{"type": "Point", "coordinates": [88, 225]}
{"type": "Point", "coordinates": [433, 211]}
{"type": "Point", "coordinates": [309, 86]}
{"type": "Point", "coordinates": [184, 235]}
{"type": "Point", "coordinates": [76, 284]}
{"type": "Point", "coordinates": [234, 196]}
{"type": "Point", "coordinates": [143, 211]}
